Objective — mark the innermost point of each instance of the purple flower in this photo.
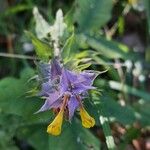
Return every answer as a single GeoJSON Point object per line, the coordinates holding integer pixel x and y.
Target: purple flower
{"type": "Point", "coordinates": [65, 90]}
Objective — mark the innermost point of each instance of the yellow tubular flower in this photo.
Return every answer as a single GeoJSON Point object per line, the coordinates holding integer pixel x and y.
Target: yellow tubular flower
{"type": "Point", "coordinates": [55, 127]}
{"type": "Point", "coordinates": [87, 120]}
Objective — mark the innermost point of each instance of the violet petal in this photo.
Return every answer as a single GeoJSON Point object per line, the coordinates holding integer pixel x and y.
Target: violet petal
{"type": "Point", "coordinates": [53, 101]}
{"type": "Point", "coordinates": [72, 106]}
{"type": "Point", "coordinates": [81, 88]}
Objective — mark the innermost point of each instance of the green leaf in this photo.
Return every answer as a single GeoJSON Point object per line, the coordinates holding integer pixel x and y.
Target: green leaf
{"type": "Point", "coordinates": [142, 112]}
{"type": "Point", "coordinates": [73, 137]}
{"type": "Point", "coordinates": [147, 6]}
{"type": "Point", "coordinates": [8, 124]}
{"type": "Point", "coordinates": [76, 137]}
{"type": "Point", "coordinates": [16, 9]}
{"type": "Point", "coordinates": [104, 120]}
{"type": "Point", "coordinates": [43, 50]}
{"type": "Point", "coordinates": [75, 59]}
{"type": "Point", "coordinates": [69, 48]}
{"type": "Point", "coordinates": [116, 112]}
{"type": "Point", "coordinates": [35, 135]}
{"type": "Point", "coordinates": [13, 98]}
{"type": "Point", "coordinates": [109, 49]}
{"type": "Point", "coordinates": [107, 132]}
{"type": "Point", "coordinates": [131, 134]}
{"type": "Point", "coordinates": [92, 14]}
{"type": "Point", "coordinates": [130, 90]}
{"type": "Point", "coordinates": [82, 67]}
{"type": "Point", "coordinates": [124, 88]}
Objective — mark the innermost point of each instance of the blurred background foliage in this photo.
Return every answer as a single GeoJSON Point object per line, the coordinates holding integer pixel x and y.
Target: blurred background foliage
{"type": "Point", "coordinates": [113, 35]}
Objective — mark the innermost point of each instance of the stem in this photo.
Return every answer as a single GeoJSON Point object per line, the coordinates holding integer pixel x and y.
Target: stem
{"type": "Point", "coordinates": [79, 100]}
{"type": "Point", "coordinates": [66, 97]}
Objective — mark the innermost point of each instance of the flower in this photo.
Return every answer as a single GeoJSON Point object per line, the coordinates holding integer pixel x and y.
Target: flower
{"type": "Point", "coordinates": [87, 120]}
{"type": "Point", "coordinates": [64, 90]}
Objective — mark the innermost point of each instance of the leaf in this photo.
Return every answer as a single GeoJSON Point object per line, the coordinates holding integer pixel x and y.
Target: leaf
{"type": "Point", "coordinates": [8, 124]}
{"type": "Point", "coordinates": [13, 98]}
{"type": "Point", "coordinates": [147, 7]}
{"type": "Point", "coordinates": [35, 135]}
{"type": "Point", "coordinates": [78, 138]}
{"type": "Point", "coordinates": [112, 72]}
{"type": "Point", "coordinates": [131, 134]}
{"type": "Point", "coordinates": [75, 59]}
{"type": "Point", "coordinates": [16, 9]}
{"type": "Point", "coordinates": [116, 112]}
{"type": "Point", "coordinates": [73, 137]}
{"type": "Point", "coordinates": [70, 47]}
{"type": "Point", "coordinates": [82, 67]}
{"type": "Point", "coordinates": [130, 90]}
{"type": "Point", "coordinates": [107, 132]}
{"type": "Point", "coordinates": [109, 49]}
{"type": "Point", "coordinates": [92, 14]}
{"type": "Point", "coordinates": [142, 112]}
{"type": "Point", "coordinates": [42, 28]}
{"type": "Point", "coordinates": [43, 50]}
{"type": "Point", "coordinates": [104, 120]}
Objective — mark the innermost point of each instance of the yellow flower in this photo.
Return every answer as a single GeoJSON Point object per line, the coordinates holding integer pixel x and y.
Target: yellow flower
{"type": "Point", "coordinates": [87, 120]}
{"type": "Point", "coordinates": [55, 127]}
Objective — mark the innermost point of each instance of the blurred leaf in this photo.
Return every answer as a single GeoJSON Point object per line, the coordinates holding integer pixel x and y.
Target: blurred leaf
{"type": "Point", "coordinates": [43, 50]}
{"type": "Point", "coordinates": [115, 111]}
{"type": "Point", "coordinates": [75, 59]}
{"type": "Point", "coordinates": [121, 25]}
{"type": "Point", "coordinates": [92, 14]}
{"type": "Point", "coordinates": [143, 118]}
{"type": "Point", "coordinates": [69, 17]}
{"type": "Point", "coordinates": [143, 113]}
{"type": "Point", "coordinates": [78, 138]}
{"type": "Point", "coordinates": [69, 48]}
{"type": "Point", "coordinates": [132, 133]}
{"type": "Point", "coordinates": [110, 49]}
{"type": "Point", "coordinates": [35, 135]}
{"type": "Point", "coordinates": [13, 98]}
{"type": "Point", "coordinates": [8, 124]}
{"type": "Point", "coordinates": [16, 9]}
{"type": "Point", "coordinates": [104, 120]}
{"type": "Point", "coordinates": [147, 7]}
{"type": "Point", "coordinates": [112, 72]}
{"type": "Point", "coordinates": [73, 137]}
{"type": "Point", "coordinates": [130, 90]}
{"type": "Point", "coordinates": [82, 67]}
{"type": "Point", "coordinates": [147, 54]}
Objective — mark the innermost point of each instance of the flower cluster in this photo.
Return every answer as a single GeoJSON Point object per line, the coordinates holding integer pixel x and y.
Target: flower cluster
{"type": "Point", "coordinates": [64, 91]}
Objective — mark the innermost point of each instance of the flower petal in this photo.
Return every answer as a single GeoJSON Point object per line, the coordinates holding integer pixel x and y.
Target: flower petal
{"type": "Point", "coordinates": [87, 120]}
{"type": "Point", "coordinates": [53, 101]}
{"type": "Point", "coordinates": [72, 106]}
{"type": "Point", "coordinates": [55, 127]}
{"type": "Point", "coordinates": [47, 88]}
{"type": "Point", "coordinates": [67, 78]}
{"type": "Point", "coordinates": [89, 76]}
{"type": "Point", "coordinates": [81, 88]}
